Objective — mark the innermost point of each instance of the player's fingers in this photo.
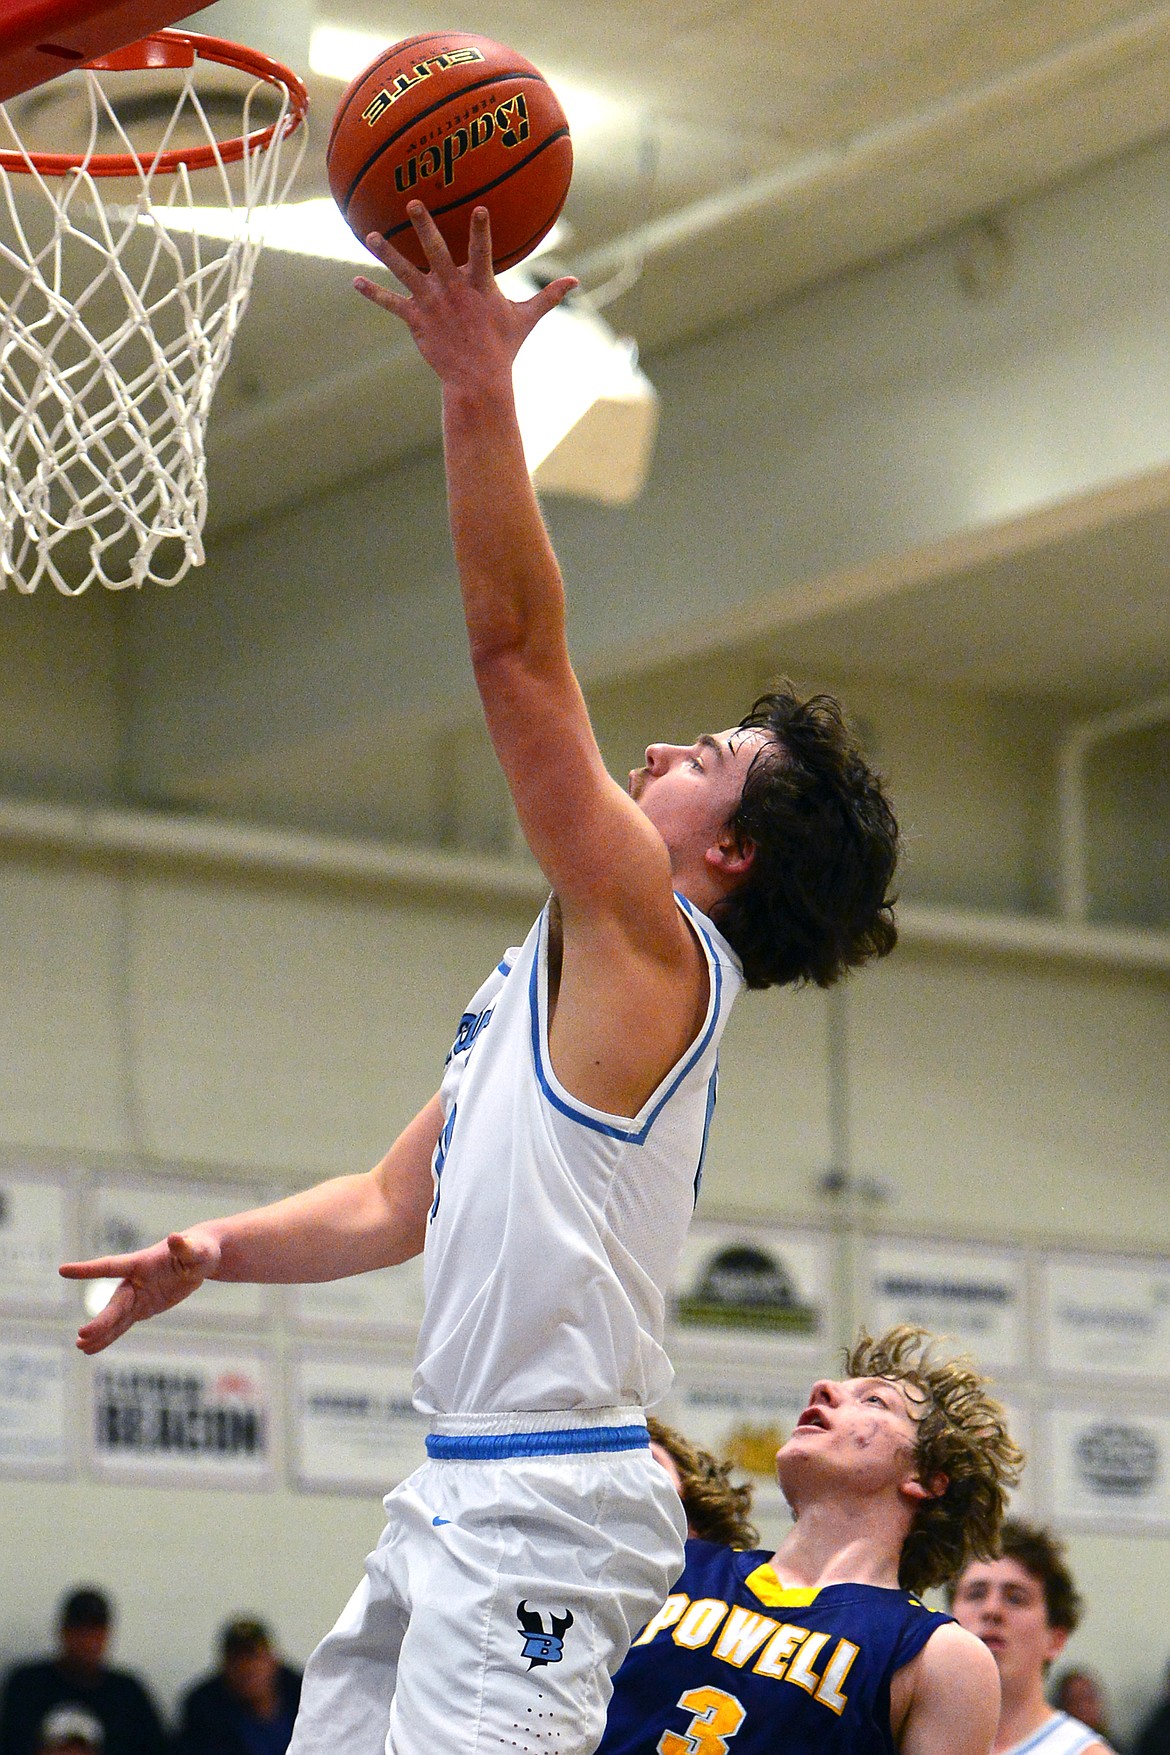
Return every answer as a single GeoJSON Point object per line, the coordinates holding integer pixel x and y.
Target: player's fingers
{"type": "Point", "coordinates": [479, 255]}
{"type": "Point", "coordinates": [393, 302]}
{"type": "Point", "coordinates": [106, 1267]}
{"type": "Point", "coordinates": [191, 1255]}
{"type": "Point", "coordinates": [109, 1323]}
{"type": "Point", "coordinates": [548, 298]}
{"type": "Point", "coordinates": [431, 239]}
{"type": "Point", "coordinates": [403, 270]}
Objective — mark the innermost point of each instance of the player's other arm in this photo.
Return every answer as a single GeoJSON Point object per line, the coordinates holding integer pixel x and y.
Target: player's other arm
{"type": "Point", "coordinates": [596, 848]}
{"type": "Point", "coordinates": [947, 1698]}
{"type": "Point", "coordinates": [345, 1226]}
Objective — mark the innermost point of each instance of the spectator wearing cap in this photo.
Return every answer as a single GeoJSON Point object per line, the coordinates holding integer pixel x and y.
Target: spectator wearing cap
{"type": "Point", "coordinates": [248, 1705]}
{"type": "Point", "coordinates": [79, 1678]}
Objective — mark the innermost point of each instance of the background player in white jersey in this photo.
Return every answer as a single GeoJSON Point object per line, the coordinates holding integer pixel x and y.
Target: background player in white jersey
{"type": "Point", "coordinates": [894, 1475]}
{"type": "Point", "coordinates": [1024, 1606]}
{"type": "Point", "coordinates": [552, 1176]}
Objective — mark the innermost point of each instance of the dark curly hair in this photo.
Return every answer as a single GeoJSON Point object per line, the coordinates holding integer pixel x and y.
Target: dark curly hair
{"type": "Point", "coordinates": [817, 900]}
{"type": "Point", "coordinates": [716, 1510]}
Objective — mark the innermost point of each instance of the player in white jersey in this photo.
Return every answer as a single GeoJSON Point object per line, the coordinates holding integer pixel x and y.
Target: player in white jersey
{"type": "Point", "coordinates": [552, 1175]}
{"type": "Point", "coordinates": [1024, 1606]}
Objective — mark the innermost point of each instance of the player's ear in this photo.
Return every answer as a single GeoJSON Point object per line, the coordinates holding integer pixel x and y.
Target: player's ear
{"type": "Point", "coordinates": [731, 854]}
{"type": "Point", "coordinates": [922, 1491]}
{"type": "Point", "coordinates": [1057, 1640]}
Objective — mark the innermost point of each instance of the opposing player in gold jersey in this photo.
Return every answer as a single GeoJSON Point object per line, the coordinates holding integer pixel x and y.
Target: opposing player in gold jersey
{"type": "Point", "coordinates": [894, 1475]}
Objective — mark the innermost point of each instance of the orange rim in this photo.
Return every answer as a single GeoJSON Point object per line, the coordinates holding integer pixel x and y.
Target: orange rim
{"type": "Point", "coordinates": [175, 48]}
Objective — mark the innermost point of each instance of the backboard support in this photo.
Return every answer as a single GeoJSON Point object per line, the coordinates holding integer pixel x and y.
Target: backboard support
{"type": "Point", "coordinates": [40, 39]}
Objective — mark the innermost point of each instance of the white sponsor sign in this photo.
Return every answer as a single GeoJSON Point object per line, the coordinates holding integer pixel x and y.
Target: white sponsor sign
{"type": "Point", "coordinates": [738, 1416]}
{"type": "Point", "coordinates": [183, 1412]}
{"type": "Point", "coordinates": [1107, 1316]}
{"type": "Point", "coordinates": [354, 1427]}
{"type": "Point", "coordinates": [976, 1297]}
{"type": "Point", "coordinates": [387, 1301]}
{"type": "Point", "coordinates": [34, 1241]}
{"type": "Point", "coordinates": [755, 1282]}
{"type": "Point", "coordinates": [1110, 1465]}
{"type": "Point", "coordinates": [126, 1216]}
{"type": "Point", "coordinates": [34, 1406]}
{"type": "Point", "coordinates": [1022, 1427]}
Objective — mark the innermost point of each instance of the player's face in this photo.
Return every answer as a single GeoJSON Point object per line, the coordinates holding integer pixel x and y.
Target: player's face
{"type": "Point", "coordinates": [689, 791]}
{"type": "Point", "coordinates": [1002, 1603]}
{"type": "Point", "coordinates": [857, 1432]}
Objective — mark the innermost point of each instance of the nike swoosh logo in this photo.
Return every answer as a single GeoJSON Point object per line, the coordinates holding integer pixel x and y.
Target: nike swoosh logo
{"type": "Point", "coordinates": [436, 1521]}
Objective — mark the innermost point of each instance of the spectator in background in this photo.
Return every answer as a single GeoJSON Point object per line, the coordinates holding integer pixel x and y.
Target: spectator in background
{"type": "Point", "coordinates": [1081, 1694]}
{"type": "Point", "coordinates": [247, 1707]}
{"type": "Point", "coordinates": [1154, 1736]}
{"type": "Point", "coordinates": [79, 1677]}
{"type": "Point", "coordinates": [1023, 1606]}
{"type": "Point", "coordinates": [716, 1510]}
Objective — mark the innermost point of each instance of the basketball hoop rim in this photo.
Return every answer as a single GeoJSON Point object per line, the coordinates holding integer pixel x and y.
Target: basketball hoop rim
{"type": "Point", "coordinates": [177, 48]}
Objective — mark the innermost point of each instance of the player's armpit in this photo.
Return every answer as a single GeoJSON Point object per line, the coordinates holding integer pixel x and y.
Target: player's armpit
{"type": "Point", "coordinates": [947, 1698]}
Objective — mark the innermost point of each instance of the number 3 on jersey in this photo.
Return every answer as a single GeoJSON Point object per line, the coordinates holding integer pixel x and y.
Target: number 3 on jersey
{"type": "Point", "coordinates": [717, 1717]}
{"type": "Point", "coordinates": [440, 1157]}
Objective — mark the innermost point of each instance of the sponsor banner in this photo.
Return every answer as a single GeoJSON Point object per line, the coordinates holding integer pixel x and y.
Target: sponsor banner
{"type": "Point", "coordinates": [34, 1241]}
{"type": "Point", "coordinates": [197, 1414]}
{"type": "Point", "coordinates": [975, 1297]}
{"type": "Point", "coordinates": [755, 1282]}
{"type": "Point", "coordinates": [1110, 1465]}
{"type": "Point", "coordinates": [354, 1427]}
{"type": "Point", "coordinates": [1107, 1316]}
{"type": "Point", "coordinates": [387, 1301]}
{"type": "Point", "coordinates": [1022, 1426]}
{"type": "Point", "coordinates": [742, 1418]}
{"type": "Point", "coordinates": [121, 1217]}
{"type": "Point", "coordinates": [34, 1406]}
{"type": "Point", "coordinates": [739, 1417]}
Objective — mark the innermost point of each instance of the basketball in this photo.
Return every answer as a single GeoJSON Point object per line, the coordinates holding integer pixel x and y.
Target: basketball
{"type": "Point", "coordinates": [455, 122]}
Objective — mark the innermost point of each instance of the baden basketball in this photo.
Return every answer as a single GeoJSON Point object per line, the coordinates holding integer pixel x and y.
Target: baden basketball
{"type": "Point", "coordinates": [455, 122]}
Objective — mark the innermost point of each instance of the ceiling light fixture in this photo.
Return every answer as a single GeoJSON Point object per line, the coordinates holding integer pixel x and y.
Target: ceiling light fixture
{"type": "Point", "coordinates": [588, 414]}
{"type": "Point", "coordinates": [302, 228]}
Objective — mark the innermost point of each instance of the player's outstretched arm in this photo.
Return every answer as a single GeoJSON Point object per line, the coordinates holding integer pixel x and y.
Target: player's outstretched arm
{"type": "Point", "coordinates": [345, 1226]}
{"type": "Point", "coordinates": [953, 1687]}
{"type": "Point", "coordinates": [595, 846]}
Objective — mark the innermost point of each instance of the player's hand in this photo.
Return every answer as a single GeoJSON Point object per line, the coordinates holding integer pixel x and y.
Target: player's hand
{"type": "Point", "coordinates": [463, 325]}
{"type": "Point", "coordinates": [152, 1280]}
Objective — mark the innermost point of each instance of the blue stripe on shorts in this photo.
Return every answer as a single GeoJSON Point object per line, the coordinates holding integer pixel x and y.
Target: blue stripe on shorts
{"type": "Point", "coordinates": [497, 1446]}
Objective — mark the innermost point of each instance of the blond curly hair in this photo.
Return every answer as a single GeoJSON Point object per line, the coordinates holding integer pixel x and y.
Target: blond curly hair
{"type": "Point", "coordinates": [961, 1434]}
{"type": "Point", "coordinates": [717, 1511]}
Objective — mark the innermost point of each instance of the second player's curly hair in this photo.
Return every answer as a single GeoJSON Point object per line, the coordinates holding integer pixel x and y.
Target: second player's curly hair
{"type": "Point", "coordinates": [962, 1434]}
{"type": "Point", "coordinates": [716, 1510]}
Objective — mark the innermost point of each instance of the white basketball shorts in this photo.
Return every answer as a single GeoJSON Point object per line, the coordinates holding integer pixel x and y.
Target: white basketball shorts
{"type": "Point", "coordinates": [513, 1572]}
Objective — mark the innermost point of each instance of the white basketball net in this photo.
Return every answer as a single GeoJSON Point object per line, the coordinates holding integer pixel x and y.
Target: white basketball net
{"type": "Point", "coordinates": [114, 332]}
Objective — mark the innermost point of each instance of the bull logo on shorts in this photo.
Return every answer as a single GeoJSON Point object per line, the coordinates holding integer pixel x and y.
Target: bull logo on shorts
{"type": "Point", "coordinates": [541, 1647]}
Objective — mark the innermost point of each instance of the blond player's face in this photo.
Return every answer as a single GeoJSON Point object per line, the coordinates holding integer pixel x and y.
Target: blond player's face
{"type": "Point", "coordinates": [858, 1431]}
{"type": "Point", "coordinates": [1003, 1604]}
{"type": "Point", "coordinates": [690, 791]}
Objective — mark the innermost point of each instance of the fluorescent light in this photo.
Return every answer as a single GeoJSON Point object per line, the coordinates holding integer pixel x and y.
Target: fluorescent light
{"type": "Point", "coordinates": [338, 52]}
{"type": "Point", "coordinates": [588, 415]}
{"type": "Point", "coordinates": [302, 228]}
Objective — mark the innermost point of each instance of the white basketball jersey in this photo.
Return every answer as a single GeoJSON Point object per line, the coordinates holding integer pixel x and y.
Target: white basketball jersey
{"type": "Point", "coordinates": [554, 1226]}
{"type": "Point", "coordinates": [1058, 1735]}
